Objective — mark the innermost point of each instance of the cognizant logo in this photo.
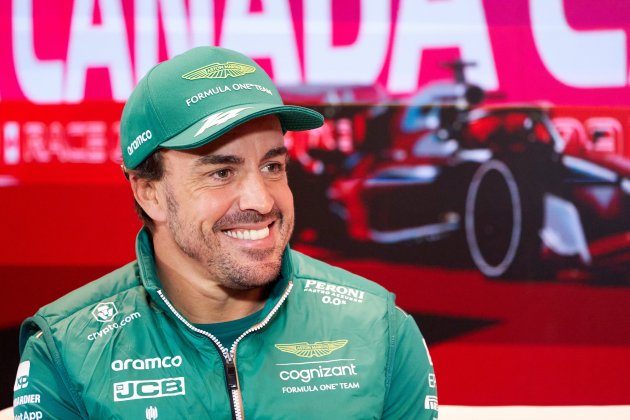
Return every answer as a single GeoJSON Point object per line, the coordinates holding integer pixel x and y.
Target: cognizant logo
{"type": "Point", "coordinates": [113, 326]}
{"type": "Point", "coordinates": [306, 375]}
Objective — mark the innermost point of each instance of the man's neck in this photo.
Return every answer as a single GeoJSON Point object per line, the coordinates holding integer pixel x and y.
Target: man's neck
{"type": "Point", "coordinates": [202, 300]}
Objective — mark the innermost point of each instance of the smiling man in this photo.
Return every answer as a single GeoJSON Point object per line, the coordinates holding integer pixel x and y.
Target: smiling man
{"type": "Point", "coordinates": [217, 317]}
{"type": "Point", "coordinates": [223, 212]}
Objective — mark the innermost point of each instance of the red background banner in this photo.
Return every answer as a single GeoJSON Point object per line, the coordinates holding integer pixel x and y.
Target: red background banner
{"type": "Point", "coordinates": [67, 216]}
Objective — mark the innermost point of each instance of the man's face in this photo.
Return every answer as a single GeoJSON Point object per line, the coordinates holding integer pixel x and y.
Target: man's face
{"type": "Point", "coordinates": [229, 206]}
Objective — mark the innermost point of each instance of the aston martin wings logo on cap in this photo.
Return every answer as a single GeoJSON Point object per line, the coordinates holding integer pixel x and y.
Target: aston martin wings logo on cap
{"type": "Point", "coordinates": [220, 71]}
{"type": "Point", "coordinates": [317, 349]}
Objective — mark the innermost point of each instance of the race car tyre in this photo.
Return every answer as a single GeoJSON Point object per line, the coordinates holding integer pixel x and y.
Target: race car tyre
{"type": "Point", "coordinates": [502, 219]}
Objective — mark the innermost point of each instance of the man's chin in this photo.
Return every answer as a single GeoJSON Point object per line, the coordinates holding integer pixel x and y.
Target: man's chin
{"type": "Point", "coordinates": [251, 268]}
{"type": "Point", "coordinates": [253, 276]}
{"type": "Point", "coordinates": [258, 255]}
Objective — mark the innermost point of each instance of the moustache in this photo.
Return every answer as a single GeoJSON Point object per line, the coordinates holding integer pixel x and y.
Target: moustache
{"type": "Point", "coordinates": [245, 217]}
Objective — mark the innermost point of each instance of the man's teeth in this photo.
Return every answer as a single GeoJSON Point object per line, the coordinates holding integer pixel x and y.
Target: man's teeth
{"type": "Point", "coordinates": [251, 235]}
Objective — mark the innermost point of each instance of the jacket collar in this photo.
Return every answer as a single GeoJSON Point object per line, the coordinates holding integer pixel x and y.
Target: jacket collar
{"type": "Point", "coordinates": [151, 281]}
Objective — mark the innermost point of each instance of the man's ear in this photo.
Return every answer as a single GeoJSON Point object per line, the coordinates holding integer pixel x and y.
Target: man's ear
{"type": "Point", "coordinates": [147, 194]}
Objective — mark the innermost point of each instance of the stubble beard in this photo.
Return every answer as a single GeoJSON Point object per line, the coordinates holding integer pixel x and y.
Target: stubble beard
{"type": "Point", "coordinates": [254, 269]}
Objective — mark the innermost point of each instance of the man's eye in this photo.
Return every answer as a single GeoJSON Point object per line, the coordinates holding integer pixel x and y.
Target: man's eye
{"type": "Point", "coordinates": [274, 167]}
{"type": "Point", "coordinates": [222, 173]}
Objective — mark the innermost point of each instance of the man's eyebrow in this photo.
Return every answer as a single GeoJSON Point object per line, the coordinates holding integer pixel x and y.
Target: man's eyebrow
{"type": "Point", "coordinates": [215, 159]}
{"type": "Point", "coordinates": [278, 151]}
{"type": "Point", "coordinates": [218, 160]}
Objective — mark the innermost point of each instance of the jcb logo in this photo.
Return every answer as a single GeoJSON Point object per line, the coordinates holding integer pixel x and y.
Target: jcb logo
{"type": "Point", "coordinates": [219, 118]}
{"type": "Point", "coordinates": [135, 390]}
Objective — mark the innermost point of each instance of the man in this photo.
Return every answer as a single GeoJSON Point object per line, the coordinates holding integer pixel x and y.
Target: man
{"type": "Point", "coordinates": [217, 317]}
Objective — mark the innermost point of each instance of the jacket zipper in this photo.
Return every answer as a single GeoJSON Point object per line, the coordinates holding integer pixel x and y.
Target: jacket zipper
{"type": "Point", "coordinates": [229, 357]}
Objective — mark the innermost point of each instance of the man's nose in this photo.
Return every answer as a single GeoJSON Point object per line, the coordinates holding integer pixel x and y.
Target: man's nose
{"type": "Point", "coordinates": [255, 194]}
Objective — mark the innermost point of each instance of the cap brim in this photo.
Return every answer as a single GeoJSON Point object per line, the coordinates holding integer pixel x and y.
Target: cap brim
{"type": "Point", "coordinates": [211, 127]}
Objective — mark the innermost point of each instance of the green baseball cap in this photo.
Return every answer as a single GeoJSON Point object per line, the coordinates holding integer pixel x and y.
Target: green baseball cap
{"type": "Point", "coordinates": [197, 96]}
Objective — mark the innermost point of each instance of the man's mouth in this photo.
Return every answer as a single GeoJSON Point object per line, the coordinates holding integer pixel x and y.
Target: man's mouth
{"type": "Point", "coordinates": [248, 234]}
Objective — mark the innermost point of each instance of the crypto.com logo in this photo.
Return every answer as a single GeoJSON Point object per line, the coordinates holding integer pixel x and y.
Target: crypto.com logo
{"type": "Point", "coordinates": [104, 311]}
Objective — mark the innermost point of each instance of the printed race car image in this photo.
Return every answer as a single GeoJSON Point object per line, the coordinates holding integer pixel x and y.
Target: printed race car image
{"type": "Point", "coordinates": [500, 178]}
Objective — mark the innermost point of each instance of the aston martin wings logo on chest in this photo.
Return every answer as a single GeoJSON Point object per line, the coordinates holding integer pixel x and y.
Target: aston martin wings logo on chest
{"type": "Point", "coordinates": [220, 71]}
{"type": "Point", "coordinates": [317, 349]}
